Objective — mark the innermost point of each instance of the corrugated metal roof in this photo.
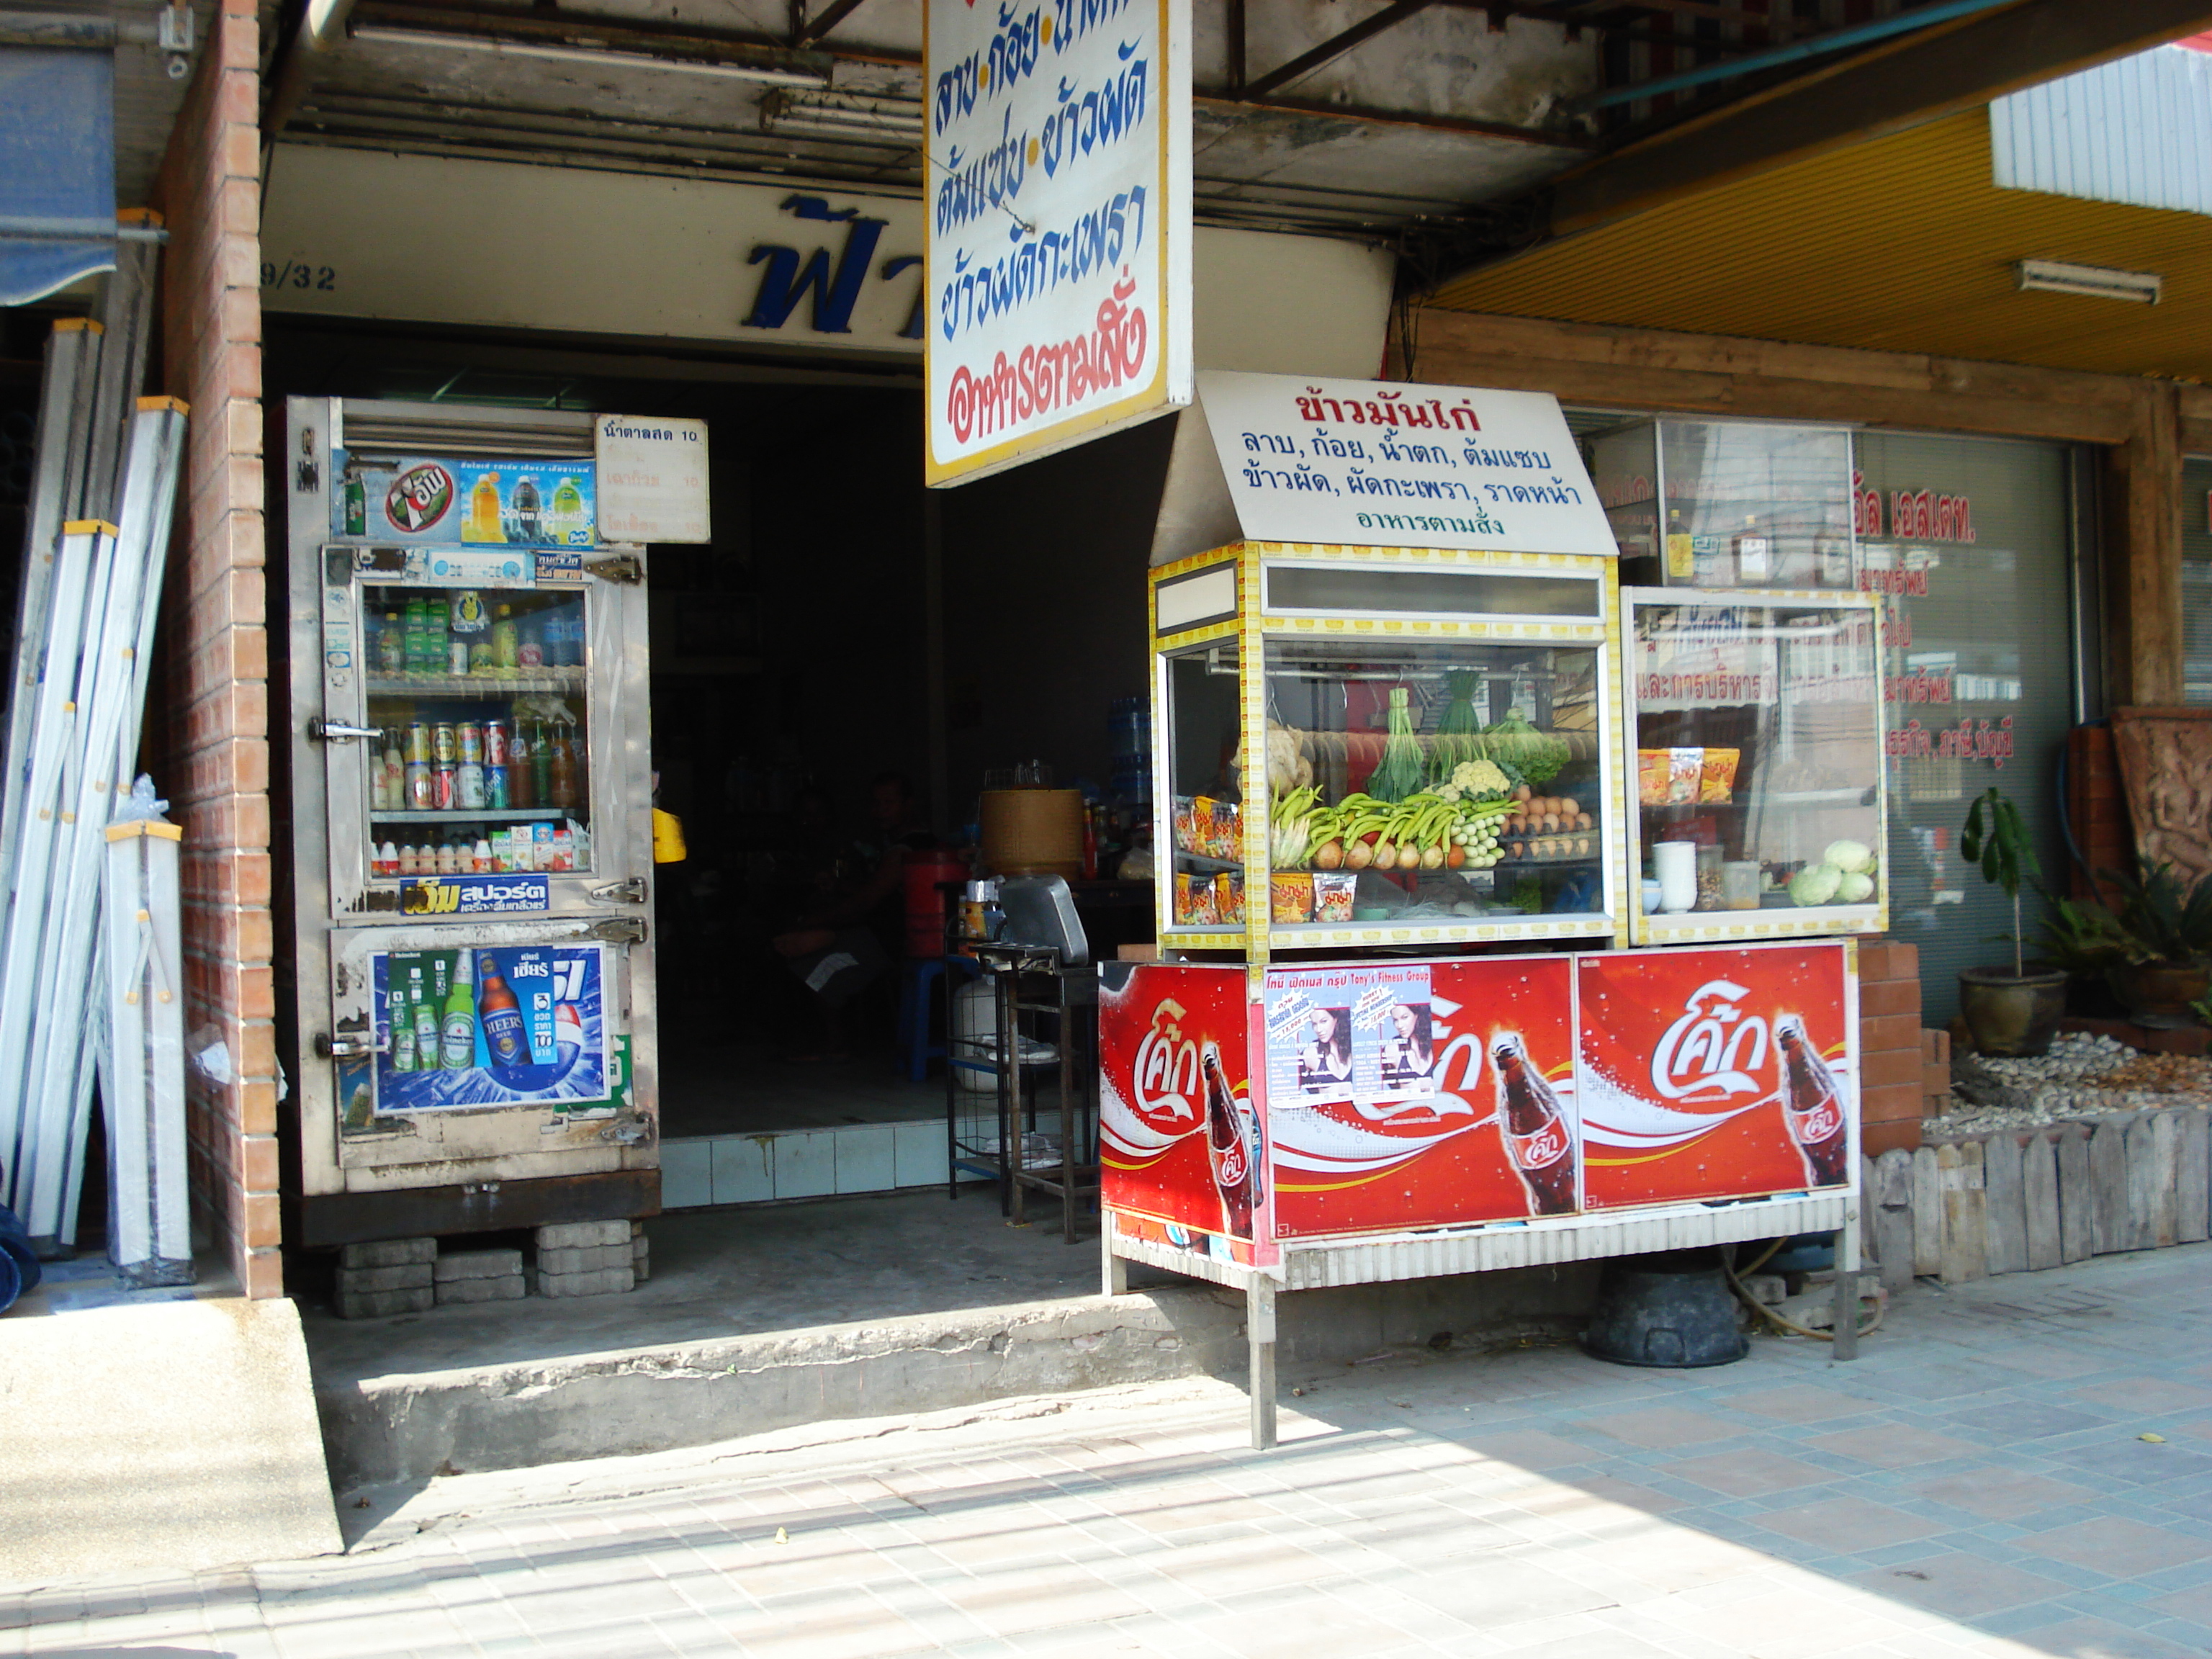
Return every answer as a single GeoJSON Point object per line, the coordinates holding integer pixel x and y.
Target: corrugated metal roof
{"type": "Point", "coordinates": [1899, 244]}
{"type": "Point", "coordinates": [2138, 130]}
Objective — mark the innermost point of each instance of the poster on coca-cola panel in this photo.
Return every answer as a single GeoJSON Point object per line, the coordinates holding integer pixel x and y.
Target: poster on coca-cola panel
{"type": "Point", "coordinates": [1715, 1073]}
{"type": "Point", "coordinates": [1419, 1094]}
{"type": "Point", "coordinates": [1181, 1138]}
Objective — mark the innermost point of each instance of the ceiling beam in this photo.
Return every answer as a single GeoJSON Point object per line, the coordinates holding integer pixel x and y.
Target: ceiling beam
{"type": "Point", "coordinates": [1887, 89]}
{"type": "Point", "coordinates": [1335, 47]}
{"type": "Point", "coordinates": [838, 10]}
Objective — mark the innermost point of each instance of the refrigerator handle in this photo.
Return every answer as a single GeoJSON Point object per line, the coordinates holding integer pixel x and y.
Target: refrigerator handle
{"type": "Point", "coordinates": [339, 732]}
{"type": "Point", "coordinates": [328, 1047]}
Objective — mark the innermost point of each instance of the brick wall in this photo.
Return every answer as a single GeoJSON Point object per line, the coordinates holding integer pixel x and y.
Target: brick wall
{"type": "Point", "coordinates": [207, 734]}
{"type": "Point", "coordinates": [1891, 1080]}
{"type": "Point", "coordinates": [2097, 808]}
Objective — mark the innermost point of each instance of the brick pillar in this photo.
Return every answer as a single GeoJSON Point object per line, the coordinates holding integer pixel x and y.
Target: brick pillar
{"type": "Point", "coordinates": [210, 752]}
{"type": "Point", "coordinates": [2097, 807]}
{"type": "Point", "coordinates": [1890, 1080]}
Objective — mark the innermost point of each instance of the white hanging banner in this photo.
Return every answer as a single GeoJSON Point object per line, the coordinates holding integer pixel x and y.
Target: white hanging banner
{"type": "Point", "coordinates": [1058, 299]}
{"type": "Point", "coordinates": [1365, 462]}
{"type": "Point", "coordinates": [652, 479]}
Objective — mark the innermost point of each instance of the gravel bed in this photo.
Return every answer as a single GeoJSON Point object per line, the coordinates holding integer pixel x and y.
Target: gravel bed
{"type": "Point", "coordinates": [2081, 1077]}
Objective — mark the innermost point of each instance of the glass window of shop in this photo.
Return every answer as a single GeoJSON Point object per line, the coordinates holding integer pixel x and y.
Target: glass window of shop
{"type": "Point", "coordinates": [1969, 539]}
{"type": "Point", "coordinates": [2197, 580]}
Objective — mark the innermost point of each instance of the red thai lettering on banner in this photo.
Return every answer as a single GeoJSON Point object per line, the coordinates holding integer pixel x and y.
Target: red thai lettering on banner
{"type": "Point", "coordinates": [1919, 687]}
{"type": "Point", "coordinates": [1060, 374]}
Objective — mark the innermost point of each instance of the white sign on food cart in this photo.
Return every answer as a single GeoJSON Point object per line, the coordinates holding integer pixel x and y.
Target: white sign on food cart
{"type": "Point", "coordinates": [1365, 462]}
{"type": "Point", "coordinates": [653, 479]}
{"type": "Point", "coordinates": [1057, 306]}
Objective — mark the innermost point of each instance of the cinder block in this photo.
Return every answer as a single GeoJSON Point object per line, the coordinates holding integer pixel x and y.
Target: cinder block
{"type": "Point", "coordinates": [368, 1280]}
{"type": "Point", "coordinates": [641, 1251]}
{"type": "Point", "coordinates": [377, 1304]}
{"type": "Point", "coordinates": [478, 1264]}
{"type": "Point", "coordinates": [389, 1253]}
{"type": "Point", "coordinates": [584, 1261]}
{"type": "Point", "coordinates": [506, 1288]}
{"type": "Point", "coordinates": [607, 1282]}
{"type": "Point", "coordinates": [582, 1235]}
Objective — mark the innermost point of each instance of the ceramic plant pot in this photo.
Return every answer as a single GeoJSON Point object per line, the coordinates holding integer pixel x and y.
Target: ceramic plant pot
{"type": "Point", "coordinates": [2012, 1015]}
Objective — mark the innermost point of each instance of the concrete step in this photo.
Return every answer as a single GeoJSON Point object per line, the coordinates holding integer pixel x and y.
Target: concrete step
{"type": "Point", "coordinates": [403, 1428]}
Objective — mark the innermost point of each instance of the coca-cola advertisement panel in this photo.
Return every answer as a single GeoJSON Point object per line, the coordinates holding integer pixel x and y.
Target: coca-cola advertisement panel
{"type": "Point", "coordinates": [1419, 1094]}
{"type": "Point", "coordinates": [1715, 1073]}
{"type": "Point", "coordinates": [1180, 1134]}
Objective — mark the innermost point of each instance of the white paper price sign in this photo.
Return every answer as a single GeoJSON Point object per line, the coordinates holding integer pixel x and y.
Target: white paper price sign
{"type": "Point", "coordinates": [1057, 306]}
{"type": "Point", "coordinates": [653, 479]}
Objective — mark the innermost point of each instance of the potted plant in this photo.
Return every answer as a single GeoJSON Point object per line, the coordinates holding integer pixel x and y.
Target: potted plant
{"type": "Point", "coordinates": [2009, 1012]}
{"type": "Point", "coordinates": [2153, 948]}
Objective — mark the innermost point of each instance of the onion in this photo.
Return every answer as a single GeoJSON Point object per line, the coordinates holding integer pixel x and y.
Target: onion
{"type": "Point", "coordinates": [1329, 856]}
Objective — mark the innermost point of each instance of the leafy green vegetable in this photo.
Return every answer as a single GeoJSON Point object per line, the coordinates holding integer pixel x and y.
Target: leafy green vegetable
{"type": "Point", "coordinates": [1513, 742]}
{"type": "Point", "coordinates": [1401, 773]}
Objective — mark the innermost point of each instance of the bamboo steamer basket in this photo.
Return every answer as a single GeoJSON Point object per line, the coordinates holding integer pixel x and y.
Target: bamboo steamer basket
{"type": "Point", "coordinates": [1033, 832]}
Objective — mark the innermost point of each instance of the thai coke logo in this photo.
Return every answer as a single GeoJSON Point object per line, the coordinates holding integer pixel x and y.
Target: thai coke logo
{"type": "Point", "coordinates": [419, 497]}
{"type": "Point", "coordinates": [1231, 1162]}
{"type": "Point", "coordinates": [1701, 1059]}
{"type": "Point", "coordinates": [1548, 1146]}
{"type": "Point", "coordinates": [1166, 1081]}
{"type": "Point", "coordinates": [1822, 1123]}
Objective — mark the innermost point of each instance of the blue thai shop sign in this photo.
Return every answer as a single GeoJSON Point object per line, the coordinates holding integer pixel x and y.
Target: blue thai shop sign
{"type": "Point", "coordinates": [57, 169]}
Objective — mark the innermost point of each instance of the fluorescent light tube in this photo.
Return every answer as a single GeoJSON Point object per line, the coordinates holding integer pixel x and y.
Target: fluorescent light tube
{"type": "Point", "coordinates": [842, 113]}
{"type": "Point", "coordinates": [2097, 281]}
{"type": "Point", "coordinates": [600, 58]}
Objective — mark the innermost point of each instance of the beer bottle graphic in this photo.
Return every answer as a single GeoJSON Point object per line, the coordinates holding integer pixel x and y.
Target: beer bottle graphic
{"type": "Point", "coordinates": [1229, 1148]}
{"type": "Point", "coordinates": [502, 1017]}
{"type": "Point", "coordinates": [458, 1042]}
{"type": "Point", "coordinates": [1812, 1106]}
{"type": "Point", "coordinates": [1538, 1139]}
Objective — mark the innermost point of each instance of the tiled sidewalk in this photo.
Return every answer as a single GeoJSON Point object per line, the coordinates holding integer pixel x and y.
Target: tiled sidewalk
{"type": "Point", "coordinates": [2019, 1466]}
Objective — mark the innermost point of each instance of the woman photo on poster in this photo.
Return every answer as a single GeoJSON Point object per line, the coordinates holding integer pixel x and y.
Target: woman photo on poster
{"type": "Point", "coordinates": [1325, 1062]}
{"type": "Point", "coordinates": [1407, 1054]}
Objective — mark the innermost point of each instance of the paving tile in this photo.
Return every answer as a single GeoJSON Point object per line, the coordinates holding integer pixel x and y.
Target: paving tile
{"type": "Point", "coordinates": [1751, 1473]}
{"type": "Point", "coordinates": [2149, 1395]}
{"type": "Point", "coordinates": [1530, 1448]}
{"type": "Point", "coordinates": [1846, 1525]}
{"type": "Point", "coordinates": [1959, 1584]}
{"type": "Point", "coordinates": [2001, 1494]}
{"type": "Point", "coordinates": [1800, 1402]}
{"type": "Point", "coordinates": [2121, 1548]}
{"type": "Point", "coordinates": [1892, 1446]}
{"type": "Point", "coordinates": [1663, 1426]}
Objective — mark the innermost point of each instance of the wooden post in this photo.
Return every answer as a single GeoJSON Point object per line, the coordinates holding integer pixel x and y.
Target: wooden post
{"type": "Point", "coordinates": [2077, 1195]}
{"type": "Point", "coordinates": [1260, 1332]}
{"type": "Point", "coordinates": [2039, 1191]}
{"type": "Point", "coordinates": [2143, 529]}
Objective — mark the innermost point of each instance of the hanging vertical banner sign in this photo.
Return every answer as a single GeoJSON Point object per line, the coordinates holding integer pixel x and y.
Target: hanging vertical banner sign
{"type": "Point", "coordinates": [1058, 301]}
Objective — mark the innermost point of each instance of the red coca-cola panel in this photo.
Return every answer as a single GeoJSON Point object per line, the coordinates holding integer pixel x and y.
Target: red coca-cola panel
{"type": "Point", "coordinates": [1421, 1094]}
{"type": "Point", "coordinates": [1180, 1136]}
{"type": "Point", "coordinates": [1714, 1073]}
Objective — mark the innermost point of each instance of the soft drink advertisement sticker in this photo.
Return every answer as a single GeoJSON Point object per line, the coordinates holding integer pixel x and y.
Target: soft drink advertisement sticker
{"type": "Point", "coordinates": [1715, 1073]}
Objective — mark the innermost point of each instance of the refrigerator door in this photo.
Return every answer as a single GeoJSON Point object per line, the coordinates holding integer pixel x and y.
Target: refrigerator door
{"type": "Point", "coordinates": [505, 1049]}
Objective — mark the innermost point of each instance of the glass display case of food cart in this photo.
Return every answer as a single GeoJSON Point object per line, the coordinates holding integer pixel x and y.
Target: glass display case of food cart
{"type": "Point", "coordinates": [1754, 732]}
{"type": "Point", "coordinates": [1373, 747]}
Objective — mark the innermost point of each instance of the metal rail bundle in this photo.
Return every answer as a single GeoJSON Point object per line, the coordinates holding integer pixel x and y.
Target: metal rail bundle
{"type": "Point", "coordinates": [91, 590]}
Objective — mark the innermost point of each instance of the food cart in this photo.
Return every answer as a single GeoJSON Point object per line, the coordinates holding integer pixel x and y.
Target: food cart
{"type": "Point", "coordinates": [1505, 917]}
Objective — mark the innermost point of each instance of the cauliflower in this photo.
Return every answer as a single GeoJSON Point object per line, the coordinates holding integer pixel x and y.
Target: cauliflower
{"type": "Point", "coordinates": [1478, 778]}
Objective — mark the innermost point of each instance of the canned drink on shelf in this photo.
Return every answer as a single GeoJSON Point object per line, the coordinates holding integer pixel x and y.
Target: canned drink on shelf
{"type": "Point", "coordinates": [456, 656]}
{"type": "Point", "coordinates": [495, 743]}
{"type": "Point", "coordinates": [445, 746]}
{"type": "Point", "coordinates": [421, 790]}
{"type": "Point", "coordinates": [495, 789]}
{"type": "Point", "coordinates": [446, 789]}
{"type": "Point", "coordinates": [470, 738]}
{"type": "Point", "coordinates": [468, 786]}
{"type": "Point", "coordinates": [418, 742]}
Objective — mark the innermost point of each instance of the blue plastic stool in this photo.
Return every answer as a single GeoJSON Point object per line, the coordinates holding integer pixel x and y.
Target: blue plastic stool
{"type": "Point", "coordinates": [916, 979]}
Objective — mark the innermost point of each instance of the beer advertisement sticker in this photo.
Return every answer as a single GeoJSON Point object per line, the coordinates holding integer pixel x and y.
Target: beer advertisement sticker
{"type": "Point", "coordinates": [474, 1028]}
{"type": "Point", "coordinates": [1714, 1073]}
{"type": "Point", "coordinates": [653, 479]}
{"type": "Point", "coordinates": [1057, 302]}
{"type": "Point", "coordinates": [1388, 1104]}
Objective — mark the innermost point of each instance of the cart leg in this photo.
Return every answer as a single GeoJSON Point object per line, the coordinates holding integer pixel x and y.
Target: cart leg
{"type": "Point", "coordinates": [1260, 1331]}
{"type": "Point", "coordinates": [1113, 1270]}
{"type": "Point", "coordinates": [1846, 1343]}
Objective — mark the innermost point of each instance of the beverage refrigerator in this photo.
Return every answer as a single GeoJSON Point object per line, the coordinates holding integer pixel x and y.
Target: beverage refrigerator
{"type": "Point", "coordinates": [471, 876]}
{"type": "Point", "coordinates": [1452, 970]}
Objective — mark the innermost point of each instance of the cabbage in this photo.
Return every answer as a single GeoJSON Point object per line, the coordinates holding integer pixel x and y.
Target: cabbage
{"type": "Point", "coordinates": [1856, 888]}
{"type": "Point", "coordinates": [1815, 884]}
{"type": "Point", "coordinates": [1851, 857]}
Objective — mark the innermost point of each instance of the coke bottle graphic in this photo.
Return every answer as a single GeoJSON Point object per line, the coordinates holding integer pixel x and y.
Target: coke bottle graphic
{"type": "Point", "coordinates": [1229, 1149]}
{"type": "Point", "coordinates": [1537, 1137]}
{"type": "Point", "coordinates": [1812, 1106]}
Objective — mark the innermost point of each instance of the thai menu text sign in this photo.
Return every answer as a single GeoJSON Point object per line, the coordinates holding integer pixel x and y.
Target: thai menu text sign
{"type": "Point", "coordinates": [653, 479]}
{"type": "Point", "coordinates": [1363, 463]}
{"type": "Point", "coordinates": [1057, 304]}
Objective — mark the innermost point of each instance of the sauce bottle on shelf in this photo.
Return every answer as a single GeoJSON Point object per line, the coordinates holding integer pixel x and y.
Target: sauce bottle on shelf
{"type": "Point", "coordinates": [391, 645]}
{"type": "Point", "coordinates": [541, 768]}
{"type": "Point", "coordinates": [521, 772]}
{"type": "Point", "coordinates": [530, 641]}
{"type": "Point", "coordinates": [506, 641]}
{"type": "Point", "coordinates": [563, 773]}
